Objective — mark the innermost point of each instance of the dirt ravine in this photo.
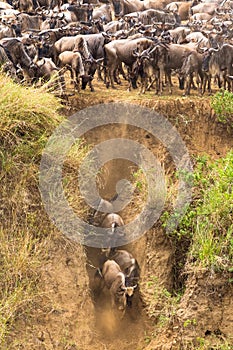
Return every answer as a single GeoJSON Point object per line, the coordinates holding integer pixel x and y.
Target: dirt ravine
{"type": "Point", "coordinates": [70, 318]}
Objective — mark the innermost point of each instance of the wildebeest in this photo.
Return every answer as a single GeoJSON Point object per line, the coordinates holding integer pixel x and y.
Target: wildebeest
{"type": "Point", "coordinates": [114, 26]}
{"type": "Point", "coordinates": [7, 29]}
{"type": "Point", "coordinates": [24, 5]}
{"type": "Point", "coordinates": [181, 7]}
{"type": "Point", "coordinates": [29, 23]}
{"type": "Point", "coordinates": [18, 55]}
{"type": "Point", "coordinates": [173, 60]}
{"type": "Point", "coordinates": [71, 43]}
{"type": "Point", "coordinates": [191, 67]}
{"type": "Point", "coordinates": [217, 62]}
{"type": "Point", "coordinates": [145, 68]}
{"type": "Point", "coordinates": [204, 8]}
{"type": "Point", "coordinates": [200, 17]}
{"type": "Point", "coordinates": [95, 44]}
{"type": "Point", "coordinates": [157, 16]}
{"type": "Point", "coordinates": [123, 7]}
{"type": "Point", "coordinates": [112, 221]}
{"type": "Point", "coordinates": [73, 61]}
{"type": "Point", "coordinates": [129, 266]}
{"type": "Point", "coordinates": [155, 4]}
{"type": "Point", "coordinates": [178, 34]}
{"type": "Point", "coordinates": [90, 67]}
{"type": "Point", "coordinates": [103, 13]}
{"type": "Point", "coordinates": [121, 51]}
{"type": "Point", "coordinates": [79, 13]}
{"type": "Point", "coordinates": [114, 280]}
{"type": "Point", "coordinates": [46, 70]}
{"type": "Point", "coordinates": [6, 64]}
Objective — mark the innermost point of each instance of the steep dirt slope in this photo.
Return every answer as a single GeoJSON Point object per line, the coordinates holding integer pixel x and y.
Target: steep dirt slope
{"type": "Point", "coordinates": [66, 317]}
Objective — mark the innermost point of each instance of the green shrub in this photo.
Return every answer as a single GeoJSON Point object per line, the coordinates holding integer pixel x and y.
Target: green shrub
{"type": "Point", "coordinates": [222, 104]}
{"type": "Point", "coordinates": [208, 221]}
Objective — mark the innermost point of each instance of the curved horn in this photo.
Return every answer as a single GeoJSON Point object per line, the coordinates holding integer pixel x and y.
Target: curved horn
{"type": "Point", "coordinates": [46, 12]}
{"type": "Point", "coordinates": [219, 13]}
{"type": "Point", "coordinates": [170, 24]}
{"type": "Point", "coordinates": [38, 10]}
{"type": "Point", "coordinates": [204, 49]}
{"type": "Point", "coordinates": [222, 3]}
{"type": "Point", "coordinates": [152, 49]}
{"type": "Point", "coordinates": [99, 60]}
{"type": "Point", "coordinates": [213, 50]}
{"type": "Point", "coordinates": [219, 30]}
{"type": "Point", "coordinates": [135, 53]}
{"type": "Point", "coordinates": [88, 60]}
{"type": "Point", "coordinates": [61, 15]}
{"type": "Point", "coordinates": [46, 36]}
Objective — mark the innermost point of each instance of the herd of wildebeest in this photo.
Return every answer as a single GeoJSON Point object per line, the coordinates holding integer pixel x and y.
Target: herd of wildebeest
{"type": "Point", "coordinates": [118, 271]}
{"type": "Point", "coordinates": [144, 42]}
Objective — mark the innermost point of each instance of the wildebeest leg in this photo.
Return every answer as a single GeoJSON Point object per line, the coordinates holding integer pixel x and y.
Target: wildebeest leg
{"type": "Point", "coordinates": [151, 83]}
{"type": "Point", "coordinates": [209, 84]}
{"type": "Point", "coordinates": [111, 71]}
{"type": "Point", "coordinates": [167, 75]}
{"type": "Point", "coordinates": [99, 76]}
{"type": "Point", "coordinates": [144, 83]}
{"type": "Point", "coordinates": [198, 81]}
{"type": "Point", "coordinates": [157, 86]}
{"type": "Point", "coordinates": [205, 79]}
{"type": "Point", "coordinates": [169, 81]}
{"type": "Point", "coordinates": [105, 75]}
{"type": "Point", "coordinates": [75, 77]}
{"type": "Point", "coordinates": [90, 84]}
{"type": "Point", "coordinates": [188, 81]}
{"type": "Point", "coordinates": [121, 71]}
{"type": "Point", "coordinates": [161, 74]}
{"type": "Point", "coordinates": [112, 64]}
{"type": "Point", "coordinates": [160, 83]}
{"type": "Point", "coordinates": [71, 75]}
{"type": "Point", "coordinates": [90, 78]}
{"type": "Point", "coordinates": [192, 83]}
{"type": "Point", "coordinates": [116, 76]}
{"type": "Point", "coordinates": [61, 82]}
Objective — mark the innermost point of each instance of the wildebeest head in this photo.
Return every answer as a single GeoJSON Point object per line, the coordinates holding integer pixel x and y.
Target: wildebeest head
{"type": "Point", "coordinates": [206, 61]}
{"type": "Point", "coordinates": [206, 58]}
{"type": "Point", "coordinates": [117, 7]}
{"type": "Point", "coordinates": [129, 292]}
{"type": "Point", "coordinates": [85, 80]}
